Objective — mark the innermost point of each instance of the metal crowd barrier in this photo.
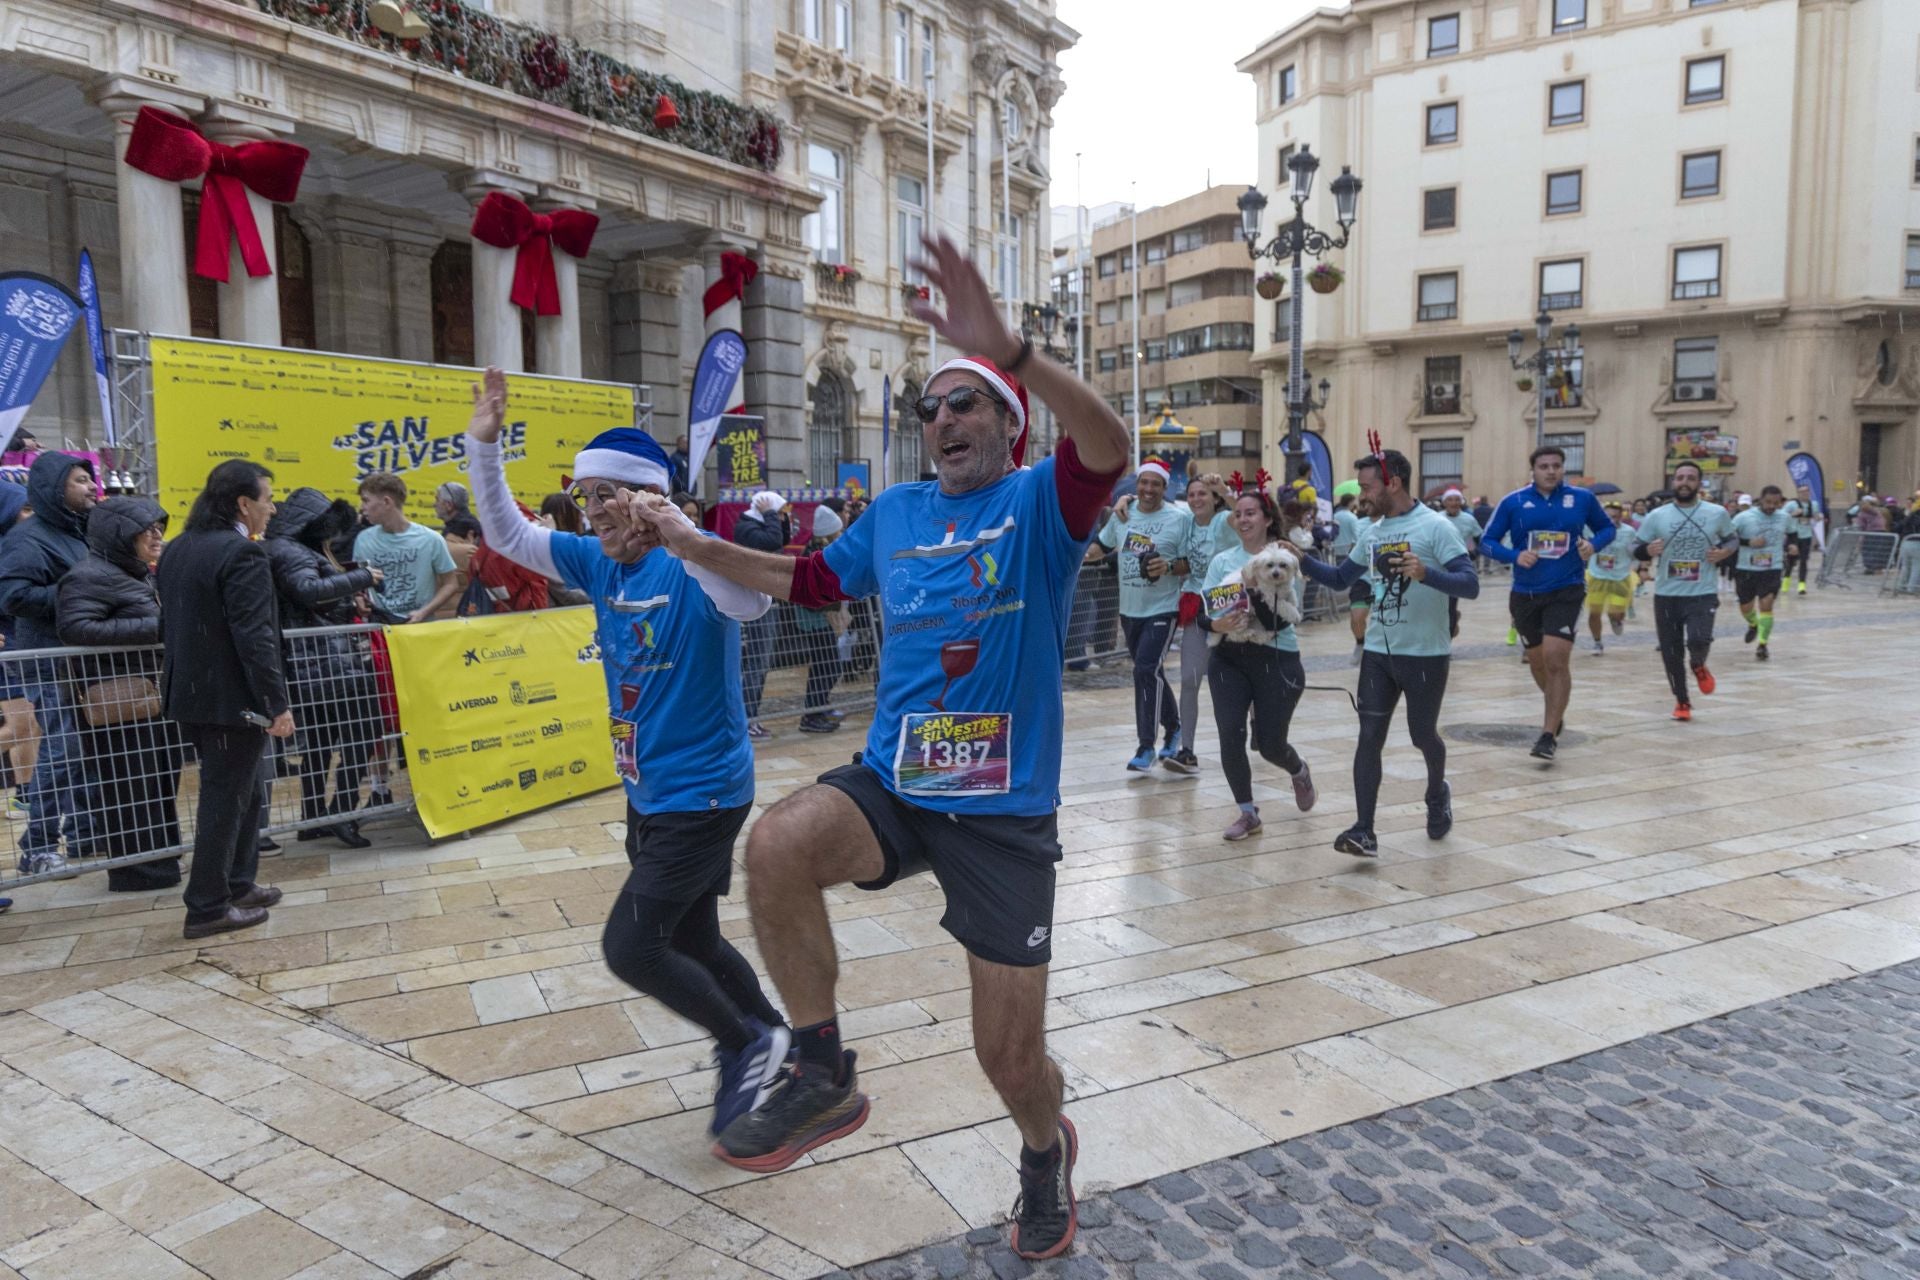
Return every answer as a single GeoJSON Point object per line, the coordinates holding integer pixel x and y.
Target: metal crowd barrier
{"type": "Point", "coordinates": [1853, 554]}
{"type": "Point", "coordinates": [96, 778]}
{"type": "Point", "coordinates": [1904, 577]}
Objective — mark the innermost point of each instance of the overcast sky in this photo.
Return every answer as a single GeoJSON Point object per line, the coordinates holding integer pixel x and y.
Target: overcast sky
{"type": "Point", "coordinates": [1152, 96]}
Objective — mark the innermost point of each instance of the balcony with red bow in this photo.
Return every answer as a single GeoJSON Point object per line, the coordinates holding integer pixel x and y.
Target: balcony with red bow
{"type": "Point", "coordinates": [466, 41]}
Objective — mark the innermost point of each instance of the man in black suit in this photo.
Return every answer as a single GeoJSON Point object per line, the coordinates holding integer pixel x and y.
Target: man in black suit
{"type": "Point", "coordinates": [224, 685]}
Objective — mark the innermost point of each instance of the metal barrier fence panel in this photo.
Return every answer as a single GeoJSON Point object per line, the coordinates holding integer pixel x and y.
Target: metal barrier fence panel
{"type": "Point", "coordinates": [1903, 578]}
{"type": "Point", "coordinates": [1853, 554]}
{"type": "Point", "coordinates": [98, 779]}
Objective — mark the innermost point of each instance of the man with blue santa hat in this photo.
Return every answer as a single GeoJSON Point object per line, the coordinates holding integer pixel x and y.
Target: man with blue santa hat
{"type": "Point", "coordinates": [669, 638]}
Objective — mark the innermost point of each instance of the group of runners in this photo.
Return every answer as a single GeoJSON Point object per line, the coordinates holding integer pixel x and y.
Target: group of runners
{"type": "Point", "coordinates": [974, 575]}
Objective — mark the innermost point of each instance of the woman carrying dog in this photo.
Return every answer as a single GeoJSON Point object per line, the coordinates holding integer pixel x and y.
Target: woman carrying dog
{"type": "Point", "coordinates": [1255, 665]}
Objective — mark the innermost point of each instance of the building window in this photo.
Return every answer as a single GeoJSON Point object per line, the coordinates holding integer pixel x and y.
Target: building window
{"type": "Point", "coordinates": [1569, 15]}
{"type": "Point", "coordinates": [813, 20]}
{"type": "Point", "coordinates": [927, 50]}
{"type": "Point", "coordinates": [1442, 463]}
{"type": "Point", "coordinates": [1440, 296]}
{"type": "Point", "coordinates": [1562, 285]}
{"type": "Point", "coordinates": [1696, 368]}
{"type": "Point", "coordinates": [1706, 79]}
{"type": "Point", "coordinates": [1700, 175]}
{"type": "Point", "coordinates": [1156, 252]}
{"type": "Point", "coordinates": [293, 259]}
{"type": "Point", "coordinates": [1442, 386]}
{"type": "Point", "coordinates": [1209, 337]}
{"type": "Point", "coordinates": [1156, 352]}
{"type": "Point", "coordinates": [905, 448]}
{"type": "Point", "coordinates": [1008, 267]}
{"type": "Point", "coordinates": [1438, 208]}
{"type": "Point", "coordinates": [832, 424]}
{"type": "Point", "coordinates": [825, 231]}
{"type": "Point", "coordinates": [1109, 267]}
{"type": "Point", "coordinates": [1107, 313]}
{"type": "Point", "coordinates": [1443, 35]}
{"type": "Point", "coordinates": [1701, 4]}
{"type": "Point", "coordinates": [902, 46]}
{"type": "Point", "coordinates": [1566, 382]}
{"type": "Point", "coordinates": [1916, 161]}
{"type": "Point", "coordinates": [1108, 360]}
{"type": "Point", "coordinates": [910, 222]}
{"type": "Point", "coordinates": [1443, 123]}
{"type": "Point", "coordinates": [1696, 273]}
{"type": "Point", "coordinates": [1287, 84]}
{"type": "Point", "coordinates": [1190, 239]}
{"type": "Point", "coordinates": [843, 25]}
{"type": "Point", "coordinates": [450, 277]}
{"type": "Point", "coordinates": [1563, 192]}
{"type": "Point", "coordinates": [1282, 178]}
{"type": "Point", "coordinates": [1575, 444]}
{"type": "Point", "coordinates": [1567, 103]}
{"type": "Point", "coordinates": [1913, 262]}
{"type": "Point", "coordinates": [1282, 321]}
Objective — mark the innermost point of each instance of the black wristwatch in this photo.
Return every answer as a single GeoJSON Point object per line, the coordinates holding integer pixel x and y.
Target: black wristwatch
{"type": "Point", "coordinates": [1026, 349]}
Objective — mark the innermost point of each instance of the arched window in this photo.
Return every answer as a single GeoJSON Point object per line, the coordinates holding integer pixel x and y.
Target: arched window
{"type": "Point", "coordinates": [831, 428]}
{"type": "Point", "coordinates": [295, 259]}
{"type": "Point", "coordinates": [906, 437]}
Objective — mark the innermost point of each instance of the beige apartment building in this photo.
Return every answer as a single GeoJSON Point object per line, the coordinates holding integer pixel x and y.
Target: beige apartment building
{"type": "Point", "coordinates": [1196, 323]}
{"type": "Point", "coordinates": [1724, 195]}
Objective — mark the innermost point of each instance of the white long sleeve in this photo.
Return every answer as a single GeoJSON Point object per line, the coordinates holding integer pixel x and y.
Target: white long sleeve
{"type": "Point", "coordinates": [742, 604]}
{"type": "Point", "coordinates": [507, 531]}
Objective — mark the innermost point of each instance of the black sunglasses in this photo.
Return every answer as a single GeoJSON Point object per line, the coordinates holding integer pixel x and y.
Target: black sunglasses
{"type": "Point", "coordinates": [961, 400]}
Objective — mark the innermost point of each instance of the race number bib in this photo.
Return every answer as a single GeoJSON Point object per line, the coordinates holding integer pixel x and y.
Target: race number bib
{"type": "Point", "coordinates": [621, 731]}
{"type": "Point", "coordinates": [1549, 544]}
{"type": "Point", "coordinates": [1605, 562]}
{"type": "Point", "coordinates": [1761, 560]}
{"type": "Point", "coordinates": [1683, 570]}
{"type": "Point", "coordinates": [954, 753]}
{"type": "Point", "coordinates": [1224, 599]}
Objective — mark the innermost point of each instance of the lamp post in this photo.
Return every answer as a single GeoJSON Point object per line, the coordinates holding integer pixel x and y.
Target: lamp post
{"type": "Point", "coordinates": [1294, 241]}
{"type": "Point", "coordinates": [1039, 320]}
{"type": "Point", "coordinates": [1542, 362]}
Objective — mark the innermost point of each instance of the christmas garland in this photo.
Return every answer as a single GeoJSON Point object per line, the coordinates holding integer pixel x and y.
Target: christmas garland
{"type": "Point", "coordinates": [557, 70]}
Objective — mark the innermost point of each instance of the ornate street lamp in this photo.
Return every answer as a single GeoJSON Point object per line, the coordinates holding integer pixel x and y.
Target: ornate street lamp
{"type": "Point", "coordinates": [1294, 242]}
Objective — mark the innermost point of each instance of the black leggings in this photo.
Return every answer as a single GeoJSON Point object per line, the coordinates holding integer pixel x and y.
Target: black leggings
{"type": "Point", "coordinates": [1684, 626]}
{"type": "Point", "coordinates": [1266, 681]}
{"type": "Point", "coordinates": [674, 952]}
{"type": "Point", "coordinates": [1382, 680]}
{"type": "Point", "coordinates": [1148, 640]}
{"type": "Point", "coordinates": [1804, 552]}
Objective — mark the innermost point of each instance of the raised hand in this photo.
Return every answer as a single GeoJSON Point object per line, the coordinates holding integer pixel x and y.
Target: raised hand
{"type": "Point", "coordinates": [489, 407]}
{"type": "Point", "coordinates": [972, 321]}
{"type": "Point", "coordinates": [668, 522]}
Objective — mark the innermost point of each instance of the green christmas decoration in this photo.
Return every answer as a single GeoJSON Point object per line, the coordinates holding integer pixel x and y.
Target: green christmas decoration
{"type": "Point", "coordinates": [558, 70]}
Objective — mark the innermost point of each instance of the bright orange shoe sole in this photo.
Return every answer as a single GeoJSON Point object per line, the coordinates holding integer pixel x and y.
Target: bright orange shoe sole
{"type": "Point", "coordinates": [775, 1161]}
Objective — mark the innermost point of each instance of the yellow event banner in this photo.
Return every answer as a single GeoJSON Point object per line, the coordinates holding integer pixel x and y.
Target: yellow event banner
{"type": "Point", "coordinates": [325, 420]}
{"type": "Point", "coordinates": [503, 714]}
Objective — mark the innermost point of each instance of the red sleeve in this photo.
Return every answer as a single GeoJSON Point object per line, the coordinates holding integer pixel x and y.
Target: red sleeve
{"type": "Point", "coordinates": [815, 586]}
{"type": "Point", "coordinates": [1081, 492]}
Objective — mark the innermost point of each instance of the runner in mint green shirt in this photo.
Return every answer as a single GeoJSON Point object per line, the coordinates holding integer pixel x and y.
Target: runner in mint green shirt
{"type": "Point", "coordinates": [1685, 540]}
{"type": "Point", "coordinates": [1763, 532]}
{"type": "Point", "coordinates": [1610, 577]}
{"type": "Point", "coordinates": [1153, 544]}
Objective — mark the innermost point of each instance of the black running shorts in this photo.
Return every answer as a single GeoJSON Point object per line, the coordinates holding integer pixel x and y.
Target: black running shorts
{"type": "Point", "coordinates": [997, 870]}
{"type": "Point", "coordinates": [1751, 584]}
{"type": "Point", "coordinates": [682, 857]}
{"type": "Point", "coordinates": [1551, 613]}
{"type": "Point", "coordinates": [1360, 594]}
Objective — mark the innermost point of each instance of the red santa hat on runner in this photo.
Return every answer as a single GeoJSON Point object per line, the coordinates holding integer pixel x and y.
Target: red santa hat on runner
{"type": "Point", "coordinates": [1154, 467]}
{"type": "Point", "coordinates": [1006, 386]}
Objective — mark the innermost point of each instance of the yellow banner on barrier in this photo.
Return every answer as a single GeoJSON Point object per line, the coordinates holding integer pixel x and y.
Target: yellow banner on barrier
{"type": "Point", "coordinates": [503, 714]}
{"type": "Point", "coordinates": [326, 420]}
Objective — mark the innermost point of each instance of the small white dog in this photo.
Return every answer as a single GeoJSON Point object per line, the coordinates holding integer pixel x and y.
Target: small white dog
{"type": "Point", "coordinates": [1272, 577]}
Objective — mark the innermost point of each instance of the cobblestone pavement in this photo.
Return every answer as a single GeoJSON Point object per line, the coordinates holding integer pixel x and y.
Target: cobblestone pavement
{"type": "Point", "coordinates": [1777, 1141]}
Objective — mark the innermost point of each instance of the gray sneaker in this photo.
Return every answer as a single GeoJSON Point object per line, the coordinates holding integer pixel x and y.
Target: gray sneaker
{"type": "Point", "coordinates": [1303, 791]}
{"type": "Point", "coordinates": [44, 862]}
{"type": "Point", "coordinates": [1247, 824]}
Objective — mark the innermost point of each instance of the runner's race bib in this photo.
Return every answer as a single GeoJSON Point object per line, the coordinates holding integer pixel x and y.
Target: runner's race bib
{"type": "Point", "coordinates": [1605, 562]}
{"type": "Point", "coordinates": [1224, 599]}
{"type": "Point", "coordinates": [1760, 560]}
{"type": "Point", "coordinates": [954, 753]}
{"type": "Point", "coordinates": [621, 731]}
{"type": "Point", "coordinates": [1683, 570]}
{"type": "Point", "coordinates": [1549, 544]}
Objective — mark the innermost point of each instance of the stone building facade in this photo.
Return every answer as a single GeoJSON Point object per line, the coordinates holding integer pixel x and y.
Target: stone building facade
{"type": "Point", "coordinates": [542, 100]}
{"type": "Point", "coordinates": [1724, 195]}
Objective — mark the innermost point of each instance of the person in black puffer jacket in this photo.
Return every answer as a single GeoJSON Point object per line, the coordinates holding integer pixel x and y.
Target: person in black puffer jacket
{"type": "Point", "coordinates": [333, 692]}
{"type": "Point", "coordinates": [132, 752]}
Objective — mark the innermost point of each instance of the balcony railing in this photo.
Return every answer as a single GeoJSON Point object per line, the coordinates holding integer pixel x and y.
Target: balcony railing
{"type": "Point", "coordinates": [1561, 301]}
{"type": "Point", "coordinates": [469, 42]}
{"type": "Point", "coordinates": [1440, 311]}
{"type": "Point", "coordinates": [1913, 279]}
{"type": "Point", "coordinates": [1684, 290]}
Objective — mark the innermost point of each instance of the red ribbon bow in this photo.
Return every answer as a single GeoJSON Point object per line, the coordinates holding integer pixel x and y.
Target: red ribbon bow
{"type": "Point", "coordinates": [736, 273]}
{"type": "Point", "coordinates": [505, 222]}
{"type": "Point", "coordinates": [172, 149]}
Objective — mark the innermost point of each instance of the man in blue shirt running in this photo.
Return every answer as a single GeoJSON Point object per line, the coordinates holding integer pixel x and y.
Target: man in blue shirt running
{"type": "Point", "coordinates": [1554, 529]}
{"type": "Point", "coordinates": [669, 640]}
{"type": "Point", "coordinates": [973, 576]}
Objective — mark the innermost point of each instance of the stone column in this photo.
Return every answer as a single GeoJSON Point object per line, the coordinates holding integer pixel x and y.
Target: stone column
{"type": "Point", "coordinates": [556, 339]}
{"type": "Point", "coordinates": [496, 321]}
{"type": "Point", "coordinates": [410, 294]}
{"type": "Point", "coordinates": [596, 345]}
{"type": "Point", "coordinates": [645, 308]}
{"type": "Point", "coordinates": [776, 364]}
{"type": "Point", "coordinates": [249, 305]}
{"type": "Point", "coordinates": [153, 263]}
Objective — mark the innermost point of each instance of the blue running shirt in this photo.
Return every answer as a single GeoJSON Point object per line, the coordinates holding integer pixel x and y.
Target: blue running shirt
{"type": "Point", "coordinates": [672, 662]}
{"type": "Point", "coordinates": [974, 592]}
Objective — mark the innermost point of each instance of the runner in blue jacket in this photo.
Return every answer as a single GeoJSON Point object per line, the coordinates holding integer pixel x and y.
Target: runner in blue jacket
{"type": "Point", "coordinates": [1553, 529]}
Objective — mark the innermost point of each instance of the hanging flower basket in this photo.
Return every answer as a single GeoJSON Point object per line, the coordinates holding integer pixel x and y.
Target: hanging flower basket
{"type": "Point", "coordinates": [834, 273]}
{"type": "Point", "coordinates": [915, 293]}
{"type": "Point", "coordinates": [1325, 278]}
{"type": "Point", "coordinates": [1270, 285]}
{"type": "Point", "coordinates": [1524, 384]}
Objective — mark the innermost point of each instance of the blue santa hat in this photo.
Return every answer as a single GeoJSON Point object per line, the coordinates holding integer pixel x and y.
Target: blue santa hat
{"type": "Point", "coordinates": [626, 454]}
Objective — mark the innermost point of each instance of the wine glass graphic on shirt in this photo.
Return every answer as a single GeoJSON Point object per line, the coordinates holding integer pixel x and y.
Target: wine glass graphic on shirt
{"type": "Point", "coordinates": [956, 659]}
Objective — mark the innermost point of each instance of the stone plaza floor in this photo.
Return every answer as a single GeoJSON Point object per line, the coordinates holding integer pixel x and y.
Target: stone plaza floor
{"type": "Point", "coordinates": [420, 1066]}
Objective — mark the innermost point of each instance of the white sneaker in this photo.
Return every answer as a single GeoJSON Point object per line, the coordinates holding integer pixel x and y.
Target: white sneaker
{"type": "Point", "coordinates": [1598, 647]}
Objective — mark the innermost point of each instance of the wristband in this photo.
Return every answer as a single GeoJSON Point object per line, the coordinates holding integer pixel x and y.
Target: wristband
{"type": "Point", "coordinates": [1026, 349]}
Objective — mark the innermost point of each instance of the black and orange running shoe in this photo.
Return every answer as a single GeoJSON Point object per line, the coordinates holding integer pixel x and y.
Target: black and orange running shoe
{"type": "Point", "coordinates": [1046, 1214]}
{"type": "Point", "coordinates": [807, 1108]}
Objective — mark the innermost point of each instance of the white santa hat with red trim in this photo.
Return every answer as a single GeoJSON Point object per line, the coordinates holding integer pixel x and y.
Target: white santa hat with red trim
{"type": "Point", "coordinates": [1004, 385]}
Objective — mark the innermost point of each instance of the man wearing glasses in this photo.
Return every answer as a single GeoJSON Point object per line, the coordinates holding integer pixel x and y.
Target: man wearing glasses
{"type": "Point", "coordinates": [669, 639]}
{"type": "Point", "coordinates": [974, 575]}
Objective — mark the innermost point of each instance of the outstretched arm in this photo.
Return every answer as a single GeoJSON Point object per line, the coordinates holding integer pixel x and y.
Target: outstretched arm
{"type": "Point", "coordinates": [507, 531]}
{"type": "Point", "coordinates": [767, 572]}
{"type": "Point", "coordinates": [972, 322]}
